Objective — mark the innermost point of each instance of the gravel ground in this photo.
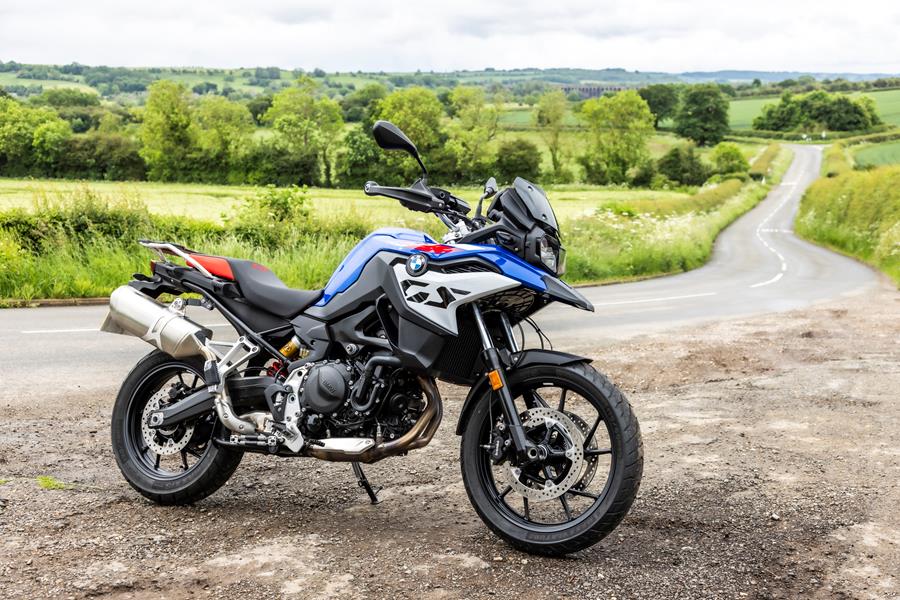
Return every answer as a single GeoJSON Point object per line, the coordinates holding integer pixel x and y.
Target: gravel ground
{"type": "Point", "coordinates": [771, 471]}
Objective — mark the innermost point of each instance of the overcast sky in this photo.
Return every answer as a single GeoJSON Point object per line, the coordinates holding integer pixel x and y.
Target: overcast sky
{"type": "Point", "coordinates": [824, 35]}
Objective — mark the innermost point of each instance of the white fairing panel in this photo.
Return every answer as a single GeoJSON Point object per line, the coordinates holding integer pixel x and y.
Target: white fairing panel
{"type": "Point", "coordinates": [436, 296]}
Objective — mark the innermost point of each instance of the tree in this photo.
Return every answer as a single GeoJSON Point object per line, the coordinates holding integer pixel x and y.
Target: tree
{"type": "Point", "coordinates": [360, 105]}
{"type": "Point", "coordinates": [683, 165]}
{"type": "Point", "coordinates": [166, 133]}
{"type": "Point", "coordinates": [619, 128]}
{"type": "Point", "coordinates": [703, 115]}
{"type": "Point", "coordinates": [258, 105]}
{"type": "Point", "coordinates": [728, 158]}
{"type": "Point", "coordinates": [662, 100]}
{"type": "Point", "coordinates": [549, 117]}
{"type": "Point", "coordinates": [474, 126]}
{"type": "Point", "coordinates": [29, 138]}
{"type": "Point", "coordinates": [418, 112]}
{"type": "Point", "coordinates": [223, 131]}
{"type": "Point", "coordinates": [49, 142]}
{"type": "Point", "coordinates": [309, 124]}
{"type": "Point", "coordinates": [518, 158]}
{"type": "Point", "coordinates": [66, 96]}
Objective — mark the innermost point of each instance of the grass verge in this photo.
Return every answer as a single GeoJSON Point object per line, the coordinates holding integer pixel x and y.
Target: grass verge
{"type": "Point", "coordinates": [857, 213]}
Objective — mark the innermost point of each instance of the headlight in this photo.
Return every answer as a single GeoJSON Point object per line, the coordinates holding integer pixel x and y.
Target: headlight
{"type": "Point", "coordinates": [552, 256]}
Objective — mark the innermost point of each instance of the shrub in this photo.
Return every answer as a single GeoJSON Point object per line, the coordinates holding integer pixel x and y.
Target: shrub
{"type": "Point", "coordinates": [518, 158]}
{"type": "Point", "coordinates": [683, 164]}
{"type": "Point", "coordinates": [857, 213]}
{"type": "Point", "coordinates": [728, 158]}
{"type": "Point", "coordinates": [762, 165]}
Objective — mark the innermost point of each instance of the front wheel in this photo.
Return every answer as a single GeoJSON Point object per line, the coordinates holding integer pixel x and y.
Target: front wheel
{"type": "Point", "coordinates": [588, 470]}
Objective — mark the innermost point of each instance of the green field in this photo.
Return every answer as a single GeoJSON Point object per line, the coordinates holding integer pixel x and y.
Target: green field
{"type": "Point", "coordinates": [217, 203]}
{"type": "Point", "coordinates": [742, 112]}
{"type": "Point", "coordinates": [876, 155]}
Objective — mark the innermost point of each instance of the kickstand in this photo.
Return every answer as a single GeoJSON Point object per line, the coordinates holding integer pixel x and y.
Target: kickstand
{"type": "Point", "coordinates": [364, 483]}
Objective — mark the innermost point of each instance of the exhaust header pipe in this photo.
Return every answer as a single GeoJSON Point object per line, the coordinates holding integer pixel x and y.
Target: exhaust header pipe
{"type": "Point", "coordinates": [134, 313]}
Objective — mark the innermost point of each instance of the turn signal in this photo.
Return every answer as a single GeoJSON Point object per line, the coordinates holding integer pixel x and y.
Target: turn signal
{"type": "Point", "coordinates": [494, 378]}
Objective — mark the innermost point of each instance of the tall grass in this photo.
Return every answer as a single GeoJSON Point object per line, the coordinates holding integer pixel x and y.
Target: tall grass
{"type": "Point", "coordinates": [857, 213]}
{"type": "Point", "coordinates": [81, 244]}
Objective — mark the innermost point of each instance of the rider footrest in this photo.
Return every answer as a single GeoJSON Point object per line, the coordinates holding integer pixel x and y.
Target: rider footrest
{"type": "Point", "coordinates": [364, 483]}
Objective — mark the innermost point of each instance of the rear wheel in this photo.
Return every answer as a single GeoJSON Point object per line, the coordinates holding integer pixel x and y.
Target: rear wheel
{"type": "Point", "coordinates": [174, 465]}
{"type": "Point", "coordinates": [588, 471]}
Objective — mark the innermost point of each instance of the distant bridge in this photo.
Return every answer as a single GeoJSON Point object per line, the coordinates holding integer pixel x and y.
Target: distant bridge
{"type": "Point", "coordinates": [592, 91]}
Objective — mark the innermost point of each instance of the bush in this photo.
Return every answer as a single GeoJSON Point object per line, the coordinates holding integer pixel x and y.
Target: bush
{"type": "Point", "coordinates": [518, 158]}
{"type": "Point", "coordinates": [762, 165]}
{"type": "Point", "coordinates": [683, 164]}
{"type": "Point", "coordinates": [728, 158]}
{"type": "Point", "coordinates": [857, 213]}
{"type": "Point", "coordinates": [818, 110]}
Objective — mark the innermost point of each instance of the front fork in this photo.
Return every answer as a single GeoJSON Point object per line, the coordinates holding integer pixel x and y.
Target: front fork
{"type": "Point", "coordinates": [524, 449]}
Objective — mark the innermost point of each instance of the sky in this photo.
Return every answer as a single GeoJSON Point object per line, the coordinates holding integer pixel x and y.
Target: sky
{"type": "Point", "coordinates": [372, 35]}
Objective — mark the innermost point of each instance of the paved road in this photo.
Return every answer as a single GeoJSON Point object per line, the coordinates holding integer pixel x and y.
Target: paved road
{"type": "Point", "coordinates": [758, 266]}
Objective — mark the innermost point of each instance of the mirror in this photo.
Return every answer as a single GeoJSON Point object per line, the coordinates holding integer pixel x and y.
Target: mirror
{"type": "Point", "coordinates": [490, 187]}
{"type": "Point", "coordinates": [390, 137]}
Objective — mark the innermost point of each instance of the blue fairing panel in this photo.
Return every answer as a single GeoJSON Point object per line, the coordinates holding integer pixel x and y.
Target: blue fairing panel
{"type": "Point", "coordinates": [407, 241]}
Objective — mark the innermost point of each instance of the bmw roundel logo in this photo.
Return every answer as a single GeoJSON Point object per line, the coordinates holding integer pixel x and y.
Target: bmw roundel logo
{"type": "Point", "coordinates": [416, 264]}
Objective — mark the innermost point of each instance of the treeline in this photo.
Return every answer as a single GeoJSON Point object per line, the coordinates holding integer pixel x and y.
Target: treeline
{"type": "Point", "coordinates": [299, 135]}
{"type": "Point", "coordinates": [807, 83]}
{"type": "Point", "coordinates": [818, 111]}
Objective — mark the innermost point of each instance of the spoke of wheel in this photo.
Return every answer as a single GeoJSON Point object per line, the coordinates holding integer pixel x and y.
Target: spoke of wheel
{"type": "Point", "coordinates": [181, 379]}
{"type": "Point", "coordinates": [593, 430]}
{"type": "Point", "coordinates": [144, 448]}
{"type": "Point", "coordinates": [562, 399]}
{"type": "Point", "coordinates": [597, 452]}
{"type": "Point", "coordinates": [566, 508]}
{"type": "Point", "coordinates": [505, 491]}
{"type": "Point", "coordinates": [156, 464]}
{"type": "Point", "coordinates": [580, 493]}
{"type": "Point", "coordinates": [184, 462]}
{"type": "Point", "coordinates": [527, 511]}
{"type": "Point", "coordinates": [192, 452]}
{"type": "Point", "coordinates": [194, 382]}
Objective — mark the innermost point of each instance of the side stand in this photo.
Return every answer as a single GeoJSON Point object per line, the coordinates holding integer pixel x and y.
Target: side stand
{"type": "Point", "coordinates": [364, 483]}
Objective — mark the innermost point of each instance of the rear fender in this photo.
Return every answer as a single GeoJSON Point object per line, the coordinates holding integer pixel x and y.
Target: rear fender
{"type": "Point", "coordinates": [519, 360]}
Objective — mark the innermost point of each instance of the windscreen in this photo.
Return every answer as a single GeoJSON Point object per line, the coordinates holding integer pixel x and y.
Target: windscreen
{"type": "Point", "coordinates": [536, 201]}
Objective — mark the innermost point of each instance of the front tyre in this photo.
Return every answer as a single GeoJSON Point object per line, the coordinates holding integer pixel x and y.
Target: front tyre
{"type": "Point", "coordinates": [590, 467]}
{"type": "Point", "coordinates": [175, 465]}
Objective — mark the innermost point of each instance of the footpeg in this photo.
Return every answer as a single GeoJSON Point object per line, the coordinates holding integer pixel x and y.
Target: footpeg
{"type": "Point", "coordinates": [364, 483]}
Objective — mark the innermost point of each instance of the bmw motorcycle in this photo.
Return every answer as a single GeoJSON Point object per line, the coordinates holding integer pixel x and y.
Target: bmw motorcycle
{"type": "Point", "coordinates": [550, 451]}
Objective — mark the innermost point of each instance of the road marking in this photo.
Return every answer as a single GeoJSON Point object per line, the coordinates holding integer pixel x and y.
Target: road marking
{"type": "Point", "coordinates": [762, 228]}
{"type": "Point", "coordinates": [60, 330]}
{"type": "Point", "coordinates": [93, 329]}
{"type": "Point", "coordinates": [656, 299]}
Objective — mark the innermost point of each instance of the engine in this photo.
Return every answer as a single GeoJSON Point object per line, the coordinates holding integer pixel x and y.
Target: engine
{"type": "Point", "coordinates": [333, 403]}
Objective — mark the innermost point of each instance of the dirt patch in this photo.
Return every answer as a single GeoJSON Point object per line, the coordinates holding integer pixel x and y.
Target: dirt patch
{"type": "Point", "coordinates": [771, 472]}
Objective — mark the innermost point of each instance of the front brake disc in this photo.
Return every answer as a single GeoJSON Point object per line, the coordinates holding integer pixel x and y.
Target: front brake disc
{"type": "Point", "coordinates": [574, 444]}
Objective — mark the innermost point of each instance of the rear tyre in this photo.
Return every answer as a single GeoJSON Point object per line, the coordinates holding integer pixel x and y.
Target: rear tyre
{"type": "Point", "coordinates": [178, 465]}
{"type": "Point", "coordinates": [585, 485]}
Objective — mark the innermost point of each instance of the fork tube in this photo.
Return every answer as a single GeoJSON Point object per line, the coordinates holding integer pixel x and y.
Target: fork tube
{"type": "Point", "coordinates": [508, 331]}
{"type": "Point", "coordinates": [497, 379]}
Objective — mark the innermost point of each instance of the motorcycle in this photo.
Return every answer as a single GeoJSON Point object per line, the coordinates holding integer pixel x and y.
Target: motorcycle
{"type": "Point", "coordinates": [550, 453]}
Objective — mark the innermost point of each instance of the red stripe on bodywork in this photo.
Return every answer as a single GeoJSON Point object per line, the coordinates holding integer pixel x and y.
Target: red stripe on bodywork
{"type": "Point", "coordinates": [435, 248]}
{"type": "Point", "coordinates": [216, 265]}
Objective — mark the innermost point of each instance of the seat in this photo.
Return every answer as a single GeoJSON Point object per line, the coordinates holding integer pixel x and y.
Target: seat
{"type": "Point", "coordinates": [262, 288]}
{"type": "Point", "coordinates": [259, 285]}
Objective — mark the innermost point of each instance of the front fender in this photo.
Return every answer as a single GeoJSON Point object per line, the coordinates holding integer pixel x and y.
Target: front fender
{"type": "Point", "coordinates": [526, 358]}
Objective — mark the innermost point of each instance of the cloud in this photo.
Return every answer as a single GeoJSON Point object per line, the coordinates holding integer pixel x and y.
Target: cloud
{"type": "Point", "coordinates": [464, 34]}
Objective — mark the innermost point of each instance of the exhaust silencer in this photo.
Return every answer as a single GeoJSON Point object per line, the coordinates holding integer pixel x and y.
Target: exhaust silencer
{"type": "Point", "coordinates": [134, 313]}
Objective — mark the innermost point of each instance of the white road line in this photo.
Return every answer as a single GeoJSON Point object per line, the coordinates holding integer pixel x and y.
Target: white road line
{"type": "Point", "coordinates": [59, 330]}
{"type": "Point", "coordinates": [93, 329]}
{"type": "Point", "coordinates": [656, 299]}
{"type": "Point", "coordinates": [762, 227]}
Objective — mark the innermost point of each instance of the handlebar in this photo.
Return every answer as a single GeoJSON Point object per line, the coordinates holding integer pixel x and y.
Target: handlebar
{"type": "Point", "coordinates": [411, 198]}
